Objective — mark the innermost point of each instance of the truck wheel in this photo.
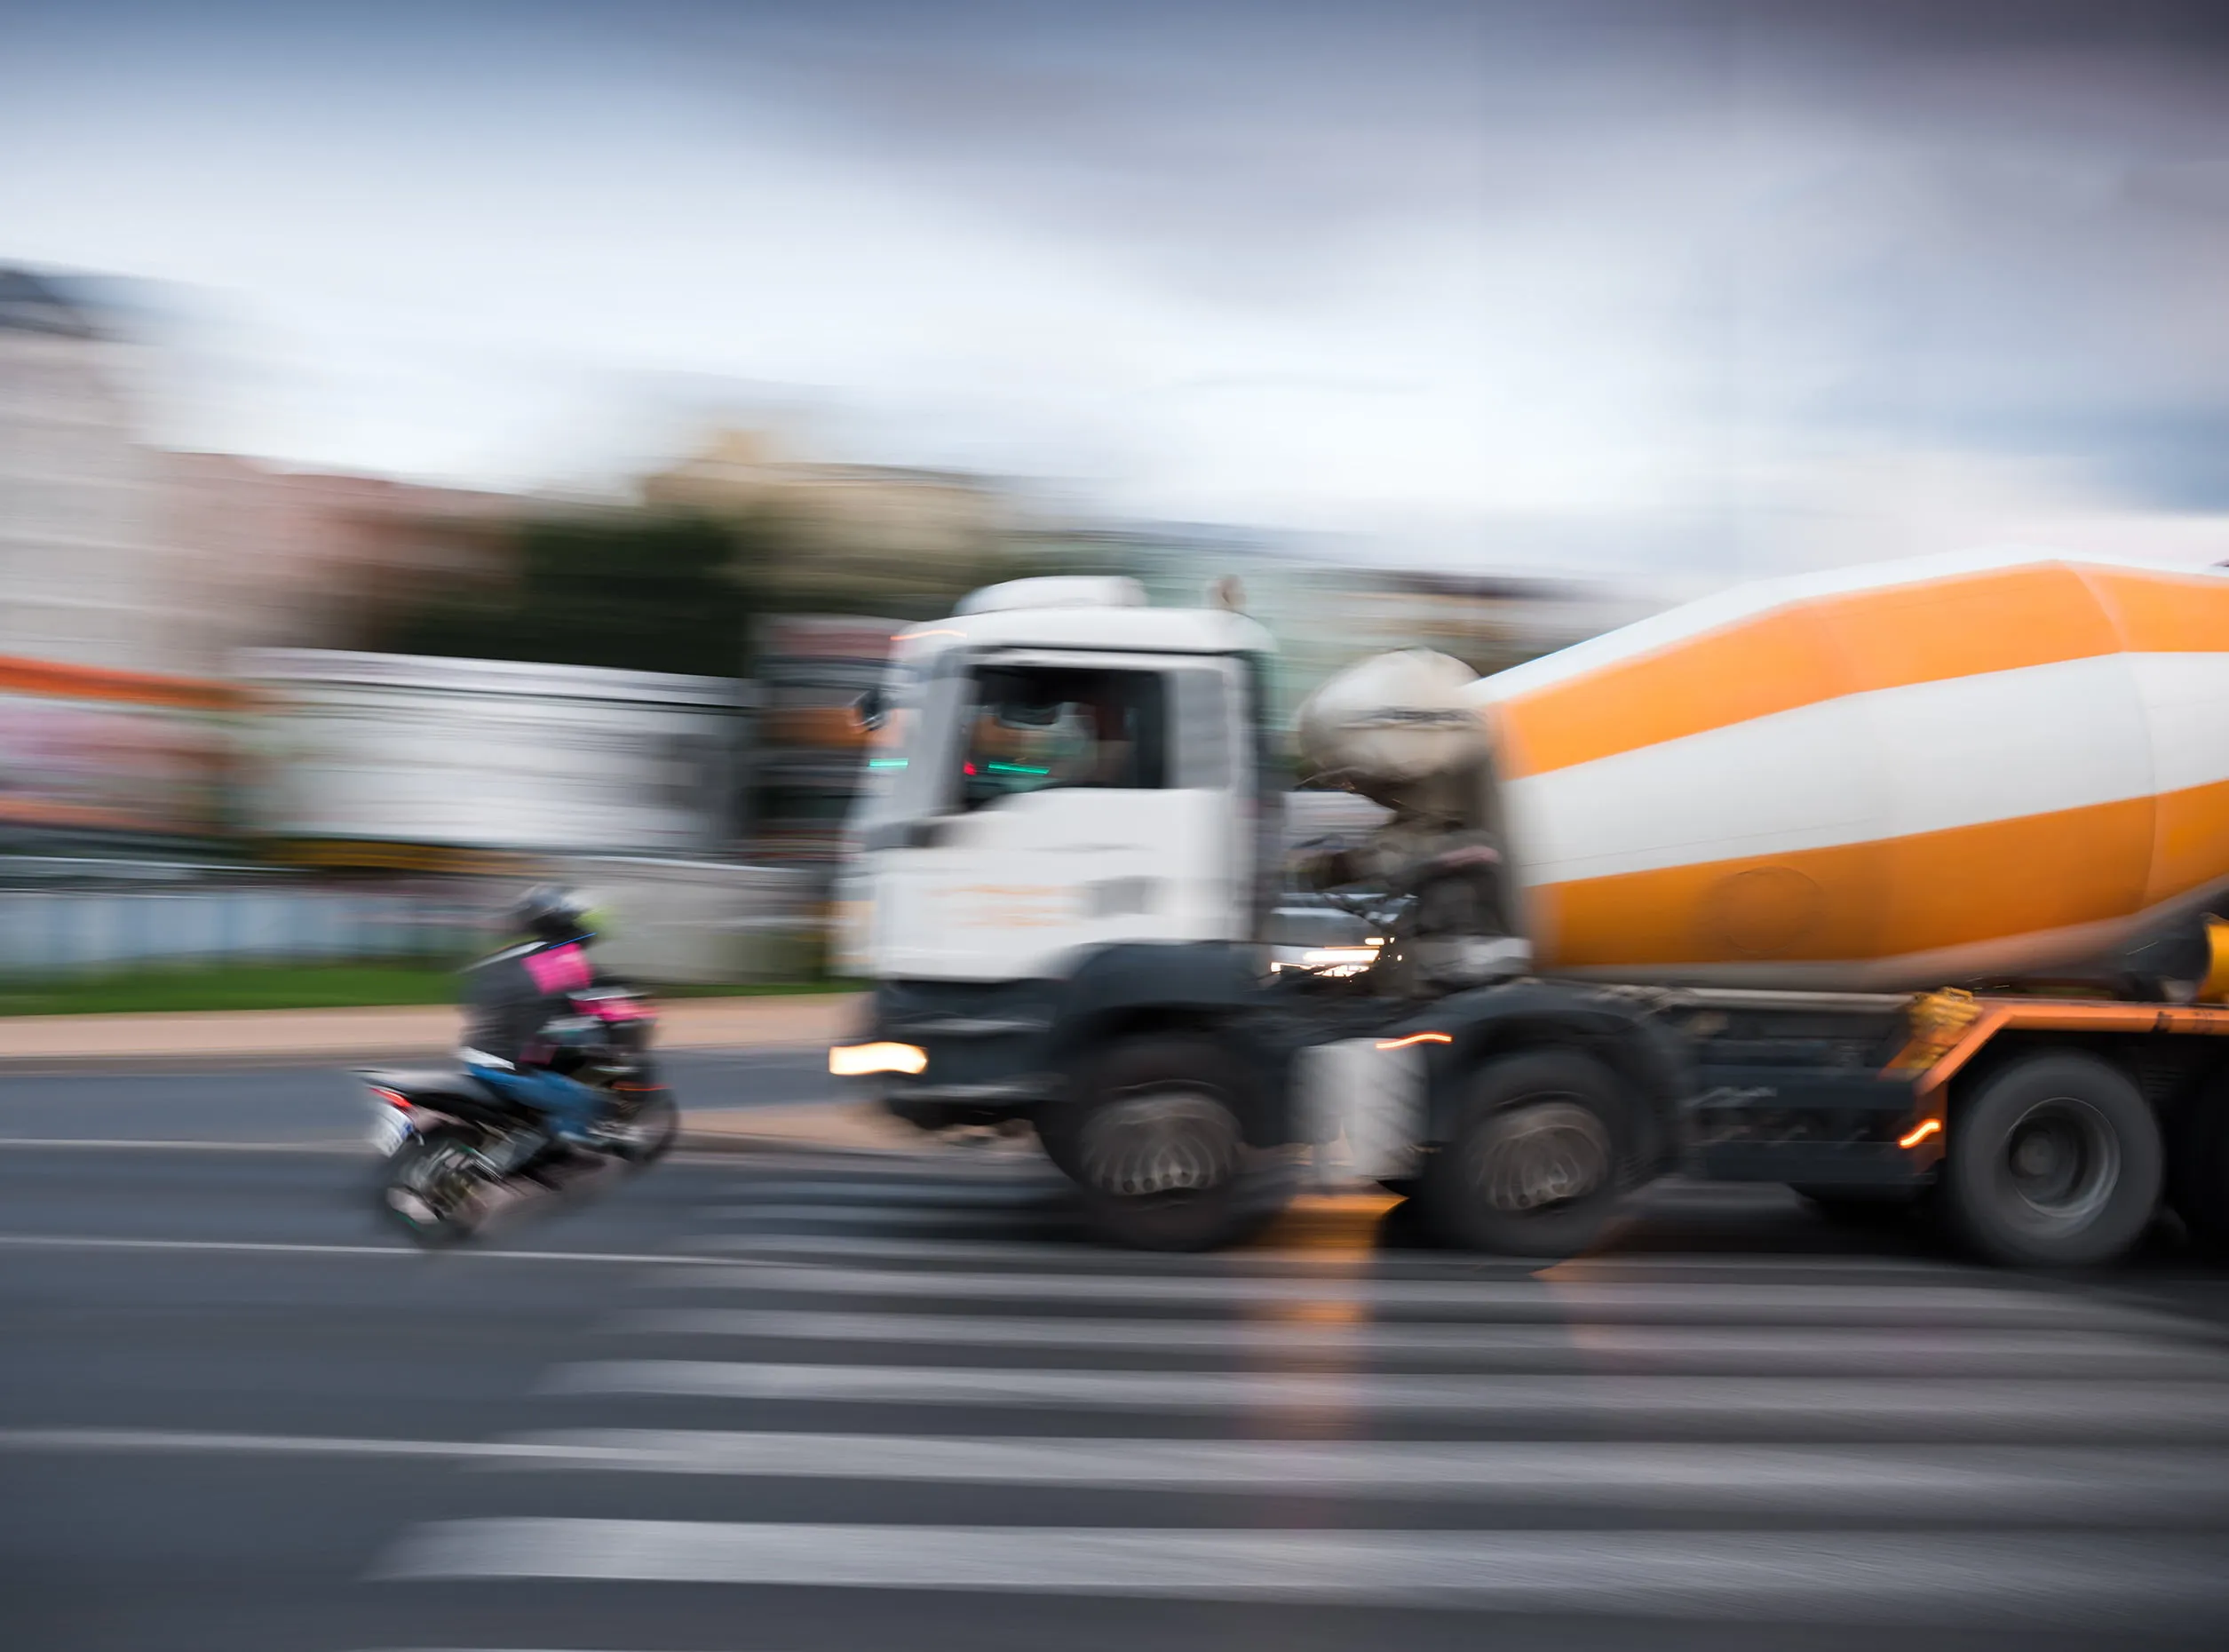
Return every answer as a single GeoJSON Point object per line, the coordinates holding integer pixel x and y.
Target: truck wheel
{"type": "Point", "coordinates": [1531, 1167]}
{"type": "Point", "coordinates": [2056, 1164]}
{"type": "Point", "coordinates": [1057, 1128]}
{"type": "Point", "coordinates": [1160, 1152]}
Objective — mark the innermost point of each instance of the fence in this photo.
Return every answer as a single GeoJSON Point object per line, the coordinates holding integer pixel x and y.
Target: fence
{"type": "Point", "coordinates": [81, 931]}
{"type": "Point", "coordinates": [674, 921]}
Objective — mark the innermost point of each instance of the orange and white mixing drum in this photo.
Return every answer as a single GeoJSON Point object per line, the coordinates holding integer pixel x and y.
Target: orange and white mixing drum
{"type": "Point", "coordinates": [1886, 777]}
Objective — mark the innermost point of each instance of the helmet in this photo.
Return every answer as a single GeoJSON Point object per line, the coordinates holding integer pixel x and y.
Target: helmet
{"type": "Point", "coordinates": [551, 913]}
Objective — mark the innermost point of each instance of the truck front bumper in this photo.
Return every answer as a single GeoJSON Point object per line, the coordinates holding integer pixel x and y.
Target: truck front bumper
{"type": "Point", "coordinates": [982, 1050]}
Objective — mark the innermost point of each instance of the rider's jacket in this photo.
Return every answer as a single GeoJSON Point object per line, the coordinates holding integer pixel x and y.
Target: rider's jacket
{"type": "Point", "coordinates": [510, 996]}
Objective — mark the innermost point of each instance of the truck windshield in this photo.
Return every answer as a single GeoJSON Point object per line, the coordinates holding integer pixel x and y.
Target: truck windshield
{"type": "Point", "coordinates": [1036, 728]}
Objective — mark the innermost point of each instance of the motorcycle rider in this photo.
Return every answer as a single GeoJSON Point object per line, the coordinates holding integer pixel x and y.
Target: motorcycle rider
{"type": "Point", "coordinates": [518, 1018]}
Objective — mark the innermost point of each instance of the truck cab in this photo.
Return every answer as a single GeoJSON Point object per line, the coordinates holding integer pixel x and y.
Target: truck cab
{"type": "Point", "coordinates": [1070, 814]}
{"type": "Point", "coordinates": [1054, 768]}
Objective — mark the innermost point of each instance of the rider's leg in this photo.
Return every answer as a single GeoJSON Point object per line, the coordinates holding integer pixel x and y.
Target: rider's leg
{"type": "Point", "coordinates": [570, 1107]}
{"type": "Point", "coordinates": [573, 1107]}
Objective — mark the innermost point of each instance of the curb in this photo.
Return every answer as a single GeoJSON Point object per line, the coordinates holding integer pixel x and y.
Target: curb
{"type": "Point", "coordinates": [182, 1041]}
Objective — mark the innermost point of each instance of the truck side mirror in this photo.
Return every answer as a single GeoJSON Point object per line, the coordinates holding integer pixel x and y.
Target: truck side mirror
{"type": "Point", "coordinates": [871, 710]}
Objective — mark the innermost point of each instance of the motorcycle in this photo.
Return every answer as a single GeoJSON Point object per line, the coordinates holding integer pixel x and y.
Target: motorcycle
{"type": "Point", "coordinates": [459, 1155]}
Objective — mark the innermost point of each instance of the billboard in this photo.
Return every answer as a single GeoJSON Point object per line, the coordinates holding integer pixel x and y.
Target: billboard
{"type": "Point", "coordinates": [85, 750]}
{"type": "Point", "coordinates": [494, 754]}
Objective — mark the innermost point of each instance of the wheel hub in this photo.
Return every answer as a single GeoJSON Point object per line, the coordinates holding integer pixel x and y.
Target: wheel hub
{"type": "Point", "coordinates": [2062, 1160]}
{"type": "Point", "coordinates": [1528, 1159]}
{"type": "Point", "coordinates": [1160, 1142]}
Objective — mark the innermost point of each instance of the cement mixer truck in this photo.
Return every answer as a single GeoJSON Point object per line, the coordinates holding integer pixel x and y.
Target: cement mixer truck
{"type": "Point", "coordinates": [1890, 882]}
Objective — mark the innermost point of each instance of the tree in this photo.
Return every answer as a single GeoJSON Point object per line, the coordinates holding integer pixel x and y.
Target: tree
{"type": "Point", "coordinates": [646, 593]}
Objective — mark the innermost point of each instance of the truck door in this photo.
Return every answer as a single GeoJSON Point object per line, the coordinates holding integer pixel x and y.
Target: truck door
{"type": "Point", "coordinates": [1084, 800]}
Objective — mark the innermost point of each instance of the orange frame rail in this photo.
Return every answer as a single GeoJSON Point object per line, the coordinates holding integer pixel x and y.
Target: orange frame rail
{"type": "Point", "coordinates": [1952, 1028]}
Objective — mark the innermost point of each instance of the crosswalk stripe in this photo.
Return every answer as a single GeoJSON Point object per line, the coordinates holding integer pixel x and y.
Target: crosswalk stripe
{"type": "Point", "coordinates": [978, 1192]}
{"type": "Point", "coordinates": [1950, 1407]}
{"type": "Point", "coordinates": [191, 1442]}
{"type": "Point", "coordinates": [1531, 1298]}
{"type": "Point", "coordinates": [2090, 1487]}
{"type": "Point", "coordinates": [2049, 1581]}
{"type": "Point", "coordinates": [1758, 1351]}
{"type": "Point", "coordinates": [898, 1217]}
{"type": "Point", "coordinates": [904, 1249]}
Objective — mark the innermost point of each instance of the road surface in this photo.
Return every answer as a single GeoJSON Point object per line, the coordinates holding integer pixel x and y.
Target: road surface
{"type": "Point", "coordinates": [314, 1106]}
{"type": "Point", "coordinates": [795, 1401]}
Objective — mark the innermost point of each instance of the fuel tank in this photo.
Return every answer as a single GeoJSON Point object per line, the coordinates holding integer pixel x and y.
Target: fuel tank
{"type": "Point", "coordinates": [1901, 775]}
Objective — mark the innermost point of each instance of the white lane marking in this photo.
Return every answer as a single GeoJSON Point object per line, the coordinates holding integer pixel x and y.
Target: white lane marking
{"type": "Point", "coordinates": [258, 1247]}
{"type": "Point", "coordinates": [353, 1145]}
{"type": "Point", "coordinates": [168, 1440]}
{"type": "Point", "coordinates": [1832, 1351]}
{"type": "Point", "coordinates": [879, 1247]}
{"type": "Point", "coordinates": [2054, 1483]}
{"type": "Point", "coordinates": [1539, 1297]}
{"type": "Point", "coordinates": [2047, 1580]}
{"type": "Point", "coordinates": [1950, 1407]}
{"type": "Point", "coordinates": [2090, 1486]}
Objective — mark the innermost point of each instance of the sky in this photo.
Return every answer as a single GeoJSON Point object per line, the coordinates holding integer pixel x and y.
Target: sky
{"type": "Point", "coordinates": [1708, 289]}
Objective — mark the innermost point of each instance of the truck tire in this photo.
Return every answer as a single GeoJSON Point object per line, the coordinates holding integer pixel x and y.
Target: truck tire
{"type": "Point", "coordinates": [1531, 1165]}
{"type": "Point", "coordinates": [1058, 1127]}
{"type": "Point", "coordinates": [1159, 1154]}
{"type": "Point", "coordinates": [2056, 1162]}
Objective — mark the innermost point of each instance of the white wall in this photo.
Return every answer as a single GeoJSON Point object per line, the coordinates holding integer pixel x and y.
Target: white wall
{"type": "Point", "coordinates": [82, 561]}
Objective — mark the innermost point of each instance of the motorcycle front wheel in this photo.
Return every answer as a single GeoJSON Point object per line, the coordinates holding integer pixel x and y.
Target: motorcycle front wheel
{"type": "Point", "coordinates": [648, 1131]}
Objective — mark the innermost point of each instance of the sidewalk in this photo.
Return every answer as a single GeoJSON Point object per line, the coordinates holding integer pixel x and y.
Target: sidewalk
{"type": "Point", "coordinates": [320, 1036]}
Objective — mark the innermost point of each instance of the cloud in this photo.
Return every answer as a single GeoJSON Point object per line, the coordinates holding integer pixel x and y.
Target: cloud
{"type": "Point", "coordinates": [1538, 267]}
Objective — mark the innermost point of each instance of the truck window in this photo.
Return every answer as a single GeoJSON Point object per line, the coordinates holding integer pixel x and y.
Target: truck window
{"type": "Point", "coordinates": [1036, 728]}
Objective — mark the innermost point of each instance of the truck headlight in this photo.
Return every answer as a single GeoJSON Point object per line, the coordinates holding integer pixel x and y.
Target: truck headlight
{"type": "Point", "coordinates": [857, 1060]}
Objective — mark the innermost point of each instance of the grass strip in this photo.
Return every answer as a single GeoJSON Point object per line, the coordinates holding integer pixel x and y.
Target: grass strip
{"type": "Point", "coordinates": [293, 987]}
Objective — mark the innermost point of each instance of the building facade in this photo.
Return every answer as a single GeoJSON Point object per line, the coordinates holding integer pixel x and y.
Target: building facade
{"type": "Point", "coordinates": [84, 574]}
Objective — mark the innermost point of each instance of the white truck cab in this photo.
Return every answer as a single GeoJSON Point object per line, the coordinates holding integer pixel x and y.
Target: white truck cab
{"type": "Point", "coordinates": [1057, 767]}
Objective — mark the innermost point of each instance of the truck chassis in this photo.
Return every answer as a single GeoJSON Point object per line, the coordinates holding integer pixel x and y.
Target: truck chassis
{"type": "Point", "coordinates": [1179, 1088]}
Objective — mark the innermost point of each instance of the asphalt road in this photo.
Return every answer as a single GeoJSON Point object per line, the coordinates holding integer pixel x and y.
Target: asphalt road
{"type": "Point", "coordinates": [773, 1403]}
{"type": "Point", "coordinates": [306, 1105]}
